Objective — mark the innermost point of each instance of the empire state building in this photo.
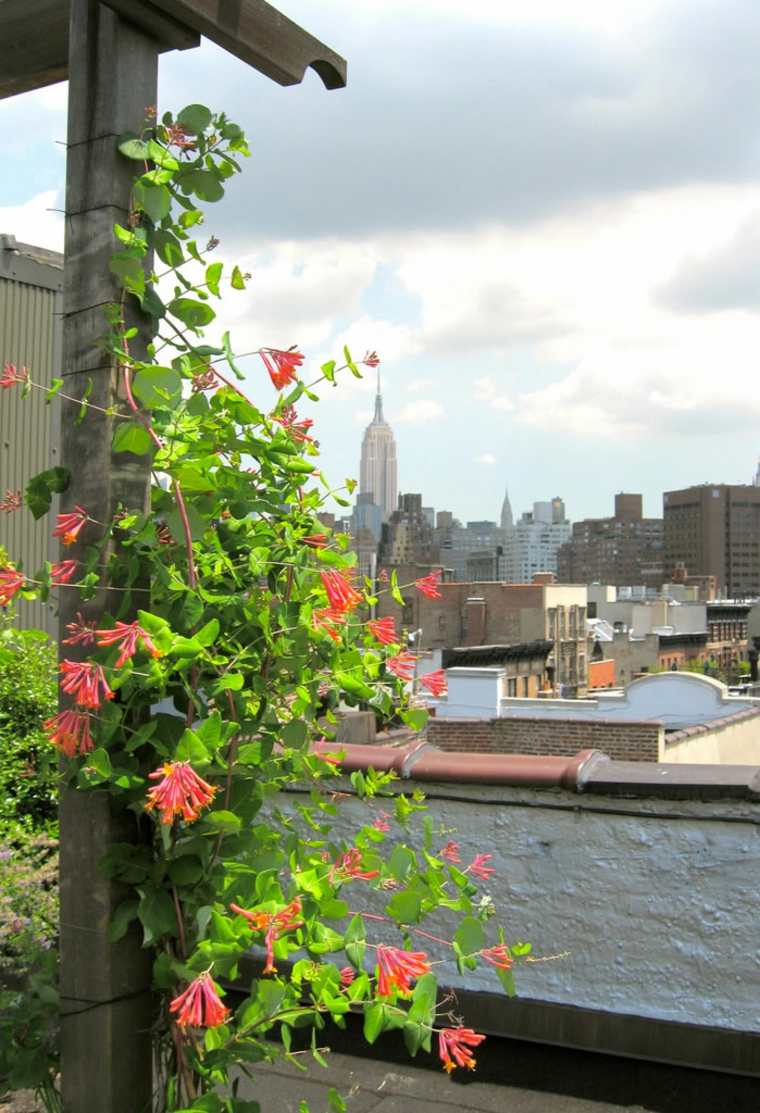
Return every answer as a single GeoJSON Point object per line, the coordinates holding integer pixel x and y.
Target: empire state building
{"type": "Point", "coordinates": [377, 474]}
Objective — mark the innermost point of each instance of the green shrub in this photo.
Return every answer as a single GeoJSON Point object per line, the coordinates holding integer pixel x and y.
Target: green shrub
{"type": "Point", "coordinates": [28, 696]}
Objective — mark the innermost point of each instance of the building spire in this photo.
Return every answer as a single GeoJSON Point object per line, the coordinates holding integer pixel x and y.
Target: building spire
{"type": "Point", "coordinates": [507, 521]}
{"type": "Point", "coordinates": [378, 402]}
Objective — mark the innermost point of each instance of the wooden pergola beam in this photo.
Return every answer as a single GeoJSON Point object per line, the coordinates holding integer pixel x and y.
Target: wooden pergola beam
{"type": "Point", "coordinates": [34, 38]}
{"type": "Point", "coordinates": [257, 33]}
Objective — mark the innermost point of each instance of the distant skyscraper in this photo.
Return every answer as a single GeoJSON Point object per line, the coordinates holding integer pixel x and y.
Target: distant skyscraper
{"type": "Point", "coordinates": [507, 521]}
{"type": "Point", "coordinates": [377, 473]}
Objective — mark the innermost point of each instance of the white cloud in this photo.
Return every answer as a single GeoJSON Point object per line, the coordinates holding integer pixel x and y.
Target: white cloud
{"type": "Point", "coordinates": [486, 458]}
{"type": "Point", "coordinates": [415, 413]}
{"type": "Point", "coordinates": [417, 385]}
{"type": "Point", "coordinates": [33, 222]}
{"type": "Point", "coordinates": [363, 417]}
{"type": "Point", "coordinates": [485, 389]}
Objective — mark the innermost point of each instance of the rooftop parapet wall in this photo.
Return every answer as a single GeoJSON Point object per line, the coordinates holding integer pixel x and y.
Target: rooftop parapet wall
{"type": "Point", "coordinates": [643, 877]}
{"type": "Point", "coordinates": [625, 741]}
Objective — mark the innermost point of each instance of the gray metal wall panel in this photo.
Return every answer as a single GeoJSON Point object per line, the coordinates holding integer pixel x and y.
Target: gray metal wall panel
{"type": "Point", "coordinates": [29, 336]}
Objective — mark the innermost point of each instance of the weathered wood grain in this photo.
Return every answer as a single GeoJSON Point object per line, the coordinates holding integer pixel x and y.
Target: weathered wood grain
{"type": "Point", "coordinates": [106, 998]}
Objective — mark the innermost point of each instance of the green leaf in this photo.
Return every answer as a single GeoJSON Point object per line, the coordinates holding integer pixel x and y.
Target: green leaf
{"type": "Point", "coordinates": [237, 281]}
{"type": "Point", "coordinates": [155, 200]}
{"type": "Point", "coordinates": [55, 386]}
{"type": "Point", "coordinates": [424, 999]}
{"type": "Point", "coordinates": [191, 748]}
{"type": "Point", "coordinates": [506, 978]}
{"type": "Point", "coordinates": [232, 682]}
{"type": "Point", "coordinates": [41, 488]}
{"type": "Point", "coordinates": [203, 183]}
{"type": "Point", "coordinates": [194, 314]}
{"type": "Point", "coordinates": [350, 363]}
{"type": "Point", "coordinates": [125, 913]}
{"type": "Point", "coordinates": [213, 274]}
{"type": "Point", "coordinates": [131, 146]}
{"type": "Point", "coordinates": [404, 907]}
{"type": "Point", "coordinates": [415, 717]}
{"type": "Point", "coordinates": [128, 268]}
{"type": "Point", "coordinates": [131, 436]}
{"type": "Point", "coordinates": [226, 822]}
{"type": "Point", "coordinates": [168, 248]}
{"type": "Point", "coordinates": [100, 762]}
{"type": "Point", "coordinates": [294, 733]}
{"type": "Point", "coordinates": [208, 634]}
{"type": "Point", "coordinates": [374, 1017]}
{"type": "Point", "coordinates": [230, 357]}
{"type": "Point", "coordinates": [194, 118]}
{"type": "Point", "coordinates": [187, 870]}
{"type": "Point", "coordinates": [355, 944]}
{"type": "Point", "coordinates": [470, 936]}
{"type": "Point", "coordinates": [157, 915]}
{"type": "Point", "coordinates": [158, 387]}
{"type": "Point", "coordinates": [161, 157]}
{"type": "Point", "coordinates": [398, 597]}
{"type": "Point", "coordinates": [328, 370]}
{"type": "Point", "coordinates": [335, 1101]}
{"type": "Point", "coordinates": [353, 685]}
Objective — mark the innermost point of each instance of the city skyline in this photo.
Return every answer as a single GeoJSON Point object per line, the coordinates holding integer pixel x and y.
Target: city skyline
{"type": "Point", "coordinates": [555, 320]}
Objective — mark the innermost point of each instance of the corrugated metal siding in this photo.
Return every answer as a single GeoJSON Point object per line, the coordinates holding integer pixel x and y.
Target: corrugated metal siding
{"type": "Point", "coordinates": [29, 336]}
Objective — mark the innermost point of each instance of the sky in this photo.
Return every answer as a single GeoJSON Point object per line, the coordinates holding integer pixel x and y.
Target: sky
{"type": "Point", "coordinates": [544, 217]}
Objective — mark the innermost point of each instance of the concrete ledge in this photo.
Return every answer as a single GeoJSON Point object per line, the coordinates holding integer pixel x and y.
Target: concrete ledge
{"type": "Point", "coordinates": [640, 1037]}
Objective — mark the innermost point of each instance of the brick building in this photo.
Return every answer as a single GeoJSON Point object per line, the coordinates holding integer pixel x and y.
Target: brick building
{"type": "Point", "coordinates": [624, 549]}
{"type": "Point", "coordinates": [714, 530]}
{"type": "Point", "coordinates": [483, 614]}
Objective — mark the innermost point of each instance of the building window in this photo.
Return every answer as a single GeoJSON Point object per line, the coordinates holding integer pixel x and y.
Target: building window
{"type": "Point", "coordinates": [526, 686]}
{"type": "Point", "coordinates": [512, 686]}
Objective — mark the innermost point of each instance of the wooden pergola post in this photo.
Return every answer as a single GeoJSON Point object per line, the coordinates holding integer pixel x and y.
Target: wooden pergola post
{"type": "Point", "coordinates": [105, 988]}
{"type": "Point", "coordinates": [109, 50]}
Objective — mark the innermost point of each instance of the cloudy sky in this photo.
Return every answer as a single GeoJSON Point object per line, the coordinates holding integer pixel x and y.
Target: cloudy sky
{"type": "Point", "coordinates": [544, 216]}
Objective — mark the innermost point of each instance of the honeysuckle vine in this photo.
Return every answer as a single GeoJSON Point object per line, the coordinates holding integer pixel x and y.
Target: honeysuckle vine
{"type": "Point", "coordinates": [240, 629]}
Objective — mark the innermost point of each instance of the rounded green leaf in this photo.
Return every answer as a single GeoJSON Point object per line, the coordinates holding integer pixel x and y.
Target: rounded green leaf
{"type": "Point", "coordinates": [195, 118]}
{"type": "Point", "coordinates": [131, 436]}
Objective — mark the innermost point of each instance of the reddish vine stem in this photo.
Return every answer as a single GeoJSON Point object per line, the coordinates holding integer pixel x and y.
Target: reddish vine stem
{"type": "Point", "coordinates": [180, 922]}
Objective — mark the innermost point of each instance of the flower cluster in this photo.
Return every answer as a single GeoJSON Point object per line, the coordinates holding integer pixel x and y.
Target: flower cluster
{"type": "Point", "coordinates": [180, 791]}
{"type": "Point", "coordinates": [273, 924]}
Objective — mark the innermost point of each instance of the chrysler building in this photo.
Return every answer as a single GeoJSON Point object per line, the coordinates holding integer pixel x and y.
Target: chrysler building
{"type": "Point", "coordinates": [377, 474]}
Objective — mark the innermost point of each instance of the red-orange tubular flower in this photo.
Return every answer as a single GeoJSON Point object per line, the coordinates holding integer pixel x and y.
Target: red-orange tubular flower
{"type": "Point", "coordinates": [11, 375]}
{"type": "Point", "coordinates": [126, 634]}
{"type": "Point", "coordinates": [13, 501]}
{"type": "Point", "coordinates": [86, 682]}
{"type": "Point", "coordinates": [63, 571]}
{"type": "Point", "coordinates": [199, 1006]}
{"type": "Point", "coordinates": [451, 852]}
{"type": "Point", "coordinates": [428, 585]}
{"type": "Point", "coordinates": [273, 924]}
{"type": "Point", "coordinates": [11, 583]}
{"type": "Point", "coordinates": [299, 430]}
{"type": "Point", "coordinates": [397, 969]}
{"type": "Point", "coordinates": [315, 540]}
{"type": "Point", "coordinates": [68, 526]}
{"type": "Point", "coordinates": [435, 682]}
{"type": "Point", "coordinates": [341, 596]}
{"type": "Point", "coordinates": [498, 956]}
{"type": "Point", "coordinates": [69, 731]}
{"type": "Point", "coordinates": [180, 792]}
{"type": "Point", "coordinates": [402, 665]}
{"type": "Point", "coordinates": [327, 620]}
{"type": "Point", "coordinates": [478, 867]}
{"type": "Point", "coordinates": [282, 366]}
{"type": "Point", "coordinates": [349, 867]}
{"type": "Point", "coordinates": [80, 632]}
{"type": "Point", "coordinates": [371, 359]}
{"type": "Point", "coordinates": [384, 629]}
{"type": "Point", "coordinates": [454, 1047]}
